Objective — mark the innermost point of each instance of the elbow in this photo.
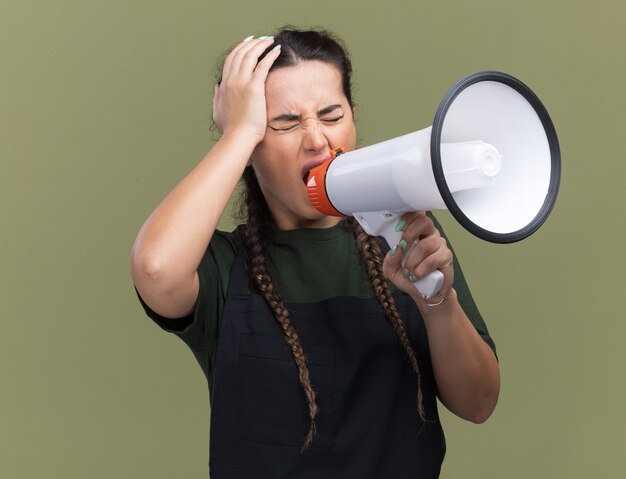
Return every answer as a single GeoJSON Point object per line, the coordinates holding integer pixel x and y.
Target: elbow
{"type": "Point", "coordinates": [483, 411]}
{"type": "Point", "coordinates": [145, 269]}
{"type": "Point", "coordinates": [473, 410]}
{"type": "Point", "coordinates": [481, 416]}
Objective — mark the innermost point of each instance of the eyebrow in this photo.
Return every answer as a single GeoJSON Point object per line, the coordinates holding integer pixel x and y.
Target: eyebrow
{"type": "Point", "coordinates": [291, 117]}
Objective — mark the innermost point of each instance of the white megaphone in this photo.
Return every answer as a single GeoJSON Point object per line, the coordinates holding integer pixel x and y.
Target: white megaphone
{"type": "Point", "coordinates": [491, 157]}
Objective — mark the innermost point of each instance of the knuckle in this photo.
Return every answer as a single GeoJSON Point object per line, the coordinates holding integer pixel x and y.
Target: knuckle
{"type": "Point", "coordinates": [250, 55]}
{"type": "Point", "coordinates": [427, 245]}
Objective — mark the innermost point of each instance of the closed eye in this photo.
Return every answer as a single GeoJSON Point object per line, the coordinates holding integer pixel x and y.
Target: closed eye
{"type": "Point", "coordinates": [287, 128]}
{"type": "Point", "coordinates": [293, 126]}
{"type": "Point", "coordinates": [332, 120]}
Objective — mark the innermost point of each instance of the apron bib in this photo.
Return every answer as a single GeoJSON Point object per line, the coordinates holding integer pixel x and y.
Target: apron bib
{"type": "Point", "coordinates": [367, 425]}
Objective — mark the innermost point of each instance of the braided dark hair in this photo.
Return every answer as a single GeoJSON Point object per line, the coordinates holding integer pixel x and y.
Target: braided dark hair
{"type": "Point", "coordinates": [372, 258]}
{"type": "Point", "coordinates": [321, 46]}
{"type": "Point", "coordinates": [257, 230]}
{"type": "Point", "coordinates": [258, 227]}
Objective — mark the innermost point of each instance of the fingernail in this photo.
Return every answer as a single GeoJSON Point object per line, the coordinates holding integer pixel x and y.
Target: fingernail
{"type": "Point", "coordinates": [403, 245]}
{"type": "Point", "coordinates": [405, 273]}
{"type": "Point", "coordinates": [277, 47]}
{"type": "Point", "coordinates": [412, 278]}
{"type": "Point", "coordinates": [400, 226]}
{"type": "Point", "coordinates": [247, 39]}
{"type": "Point", "coordinates": [265, 37]}
{"type": "Point", "coordinates": [393, 250]}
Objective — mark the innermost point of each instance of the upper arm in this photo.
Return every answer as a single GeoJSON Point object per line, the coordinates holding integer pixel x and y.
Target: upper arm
{"type": "Point", "coordinates": [169, 301]}
{"type": "Point", "coordinates": [207, 285]}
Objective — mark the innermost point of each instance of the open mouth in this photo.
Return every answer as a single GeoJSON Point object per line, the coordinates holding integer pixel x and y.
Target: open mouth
{"type": "Point", "coordinates": [310, 166]}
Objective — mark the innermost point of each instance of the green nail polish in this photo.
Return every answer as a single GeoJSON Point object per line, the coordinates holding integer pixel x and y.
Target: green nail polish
{"type": "Point", "coordinates": [393, 250]}
{"type": "Point", "coordinates": [412, 278]}
{"type": "Point", "coordinates": [403, 245]}
{"type": "Point", "coordinates": [247, 39]}
{"type": "Point", "coordinates": [405, 273]}
{"type": "Point", "coordinates": [400, 226]}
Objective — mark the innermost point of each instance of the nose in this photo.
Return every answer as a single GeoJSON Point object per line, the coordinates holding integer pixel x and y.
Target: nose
{"type": "Point", "coordinates": [314, 139]}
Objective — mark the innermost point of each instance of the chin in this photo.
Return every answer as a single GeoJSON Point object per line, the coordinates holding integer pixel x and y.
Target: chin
{"type": "Point", "coordinates": [309, 217]}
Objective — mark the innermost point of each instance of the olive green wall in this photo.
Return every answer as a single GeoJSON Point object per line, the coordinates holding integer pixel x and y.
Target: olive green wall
{"type": "Point", "coordinates": [104, 106]}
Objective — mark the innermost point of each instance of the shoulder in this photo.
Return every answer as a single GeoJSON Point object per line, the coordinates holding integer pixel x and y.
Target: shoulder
{"type": "Point", "coordinates": [228, 240]}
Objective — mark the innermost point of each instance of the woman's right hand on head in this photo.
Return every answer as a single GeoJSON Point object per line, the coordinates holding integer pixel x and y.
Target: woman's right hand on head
{"type": "Point", "coordinates": [239, 100]}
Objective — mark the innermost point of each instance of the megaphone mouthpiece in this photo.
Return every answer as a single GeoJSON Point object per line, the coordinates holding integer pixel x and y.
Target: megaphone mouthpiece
{"type": "Point", "coordinates": [316, 189]}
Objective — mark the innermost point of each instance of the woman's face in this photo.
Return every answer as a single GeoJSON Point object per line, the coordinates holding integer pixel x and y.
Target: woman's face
{"type": "Point", "coordinates": [307, 116]}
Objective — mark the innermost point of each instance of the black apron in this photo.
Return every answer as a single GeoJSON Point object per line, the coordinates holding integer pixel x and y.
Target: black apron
{"type": "Point", "coordinates": [367, 425]}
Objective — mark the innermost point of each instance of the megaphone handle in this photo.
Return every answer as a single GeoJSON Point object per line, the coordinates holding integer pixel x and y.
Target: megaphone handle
{"type": "Point", "coordinates": [383, 223]}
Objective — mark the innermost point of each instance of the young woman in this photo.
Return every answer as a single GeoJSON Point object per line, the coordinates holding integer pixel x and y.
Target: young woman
{"type": "Point", "coordinates": [322, 358]}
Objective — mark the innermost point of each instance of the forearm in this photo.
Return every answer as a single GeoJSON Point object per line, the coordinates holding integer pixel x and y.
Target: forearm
{"type": "Point", "coordinates": [172, 241]}
{"type": "Point", "coordinates": [465, 368]}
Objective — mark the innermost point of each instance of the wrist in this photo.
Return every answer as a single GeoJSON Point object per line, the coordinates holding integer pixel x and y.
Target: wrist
{"type": "Point", "coordinates": [437, 303]}
{"type": "Point", "coordinates": [243, 137]}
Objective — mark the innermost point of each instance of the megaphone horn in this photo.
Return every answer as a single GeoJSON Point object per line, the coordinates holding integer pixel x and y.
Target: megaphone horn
{"type": "Point", "coordinates": [491, 158]}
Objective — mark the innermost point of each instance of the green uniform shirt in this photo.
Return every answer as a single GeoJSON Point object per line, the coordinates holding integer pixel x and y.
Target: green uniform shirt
{"type": "Point", "coordinates": [307, 265]}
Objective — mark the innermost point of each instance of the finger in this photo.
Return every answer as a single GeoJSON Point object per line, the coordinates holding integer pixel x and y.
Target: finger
{"type": "Point", "coordinates": [262, 69]}
{"type": "Point", "coordinates": [226, 69]}
{"type": "Point", "coordinates": [393, 262]}
{"type": "Point", "coordinates": [441, 259]}
{"type": "Point", "coordinates": [232, 64]}
{"type": "Point", "coordinates": [246, 58]}
{"type": "Point", "coordinates": [216, 100]}
{"type": "Point", "coordinates": [418, 226]}
{"type": "Point", "coordinates": [251, 60]}
{"type": "Point", "coordinates": [392, 268]}
{"type": "Point", "coordinates": [421, 249]}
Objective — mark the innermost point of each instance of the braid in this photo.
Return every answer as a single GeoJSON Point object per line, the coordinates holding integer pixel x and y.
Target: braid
{"type": "Point", "coordinates": [258, 227]}
{"type": "Point", "coordinates": [373, 259]}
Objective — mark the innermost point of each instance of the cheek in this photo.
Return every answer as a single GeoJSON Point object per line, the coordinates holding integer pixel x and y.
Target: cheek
{"type": "Point", "coordinates": [277, 147]}
{"type": "Point", "coordinates": [268, 161]}
{"type": "Point", "coordinates": [348, 138]}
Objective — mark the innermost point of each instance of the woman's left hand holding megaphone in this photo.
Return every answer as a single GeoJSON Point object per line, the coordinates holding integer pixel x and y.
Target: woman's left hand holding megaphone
{"type": "Point", "coordinates": [425, 251]}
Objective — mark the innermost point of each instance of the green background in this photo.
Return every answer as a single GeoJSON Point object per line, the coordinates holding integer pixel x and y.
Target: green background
{"type": "Point", "coordinates": [105, 106]}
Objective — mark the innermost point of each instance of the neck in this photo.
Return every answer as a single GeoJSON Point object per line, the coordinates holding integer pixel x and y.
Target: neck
{"type": "Point", "coordinates": [286, 224]}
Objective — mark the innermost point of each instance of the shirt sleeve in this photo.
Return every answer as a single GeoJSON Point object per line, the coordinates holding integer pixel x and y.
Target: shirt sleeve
{"type": "Point", "coordinates": [465, 296]}
{"type": "Point", "coordinates": [199, 330]}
